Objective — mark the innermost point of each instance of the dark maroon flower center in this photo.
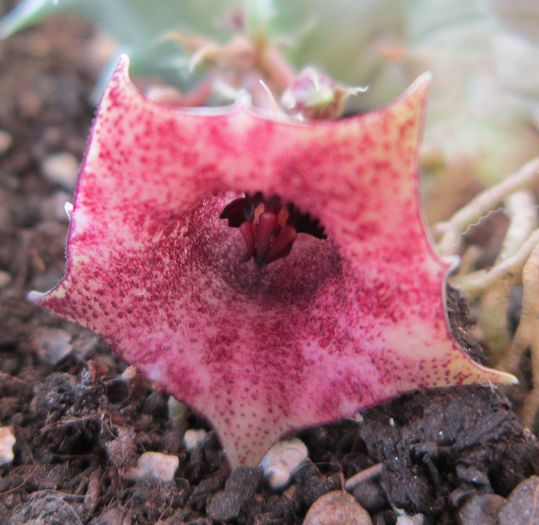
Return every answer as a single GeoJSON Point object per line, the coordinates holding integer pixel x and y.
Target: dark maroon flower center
{"type": "Point", "coordinates": [269, 226]}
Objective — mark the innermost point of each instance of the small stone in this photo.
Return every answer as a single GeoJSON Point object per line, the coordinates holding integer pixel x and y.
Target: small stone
{"type": "Point", "coordinates": [282, 460]}
{"type": "Point", "coordinates": [369, 495]}
{"type": "Point", "coordinates": [5, 141]}
{"type": "Point", "coordinates": [481, 508]}
{"type": "Point", "coordinates": [5, 279]}
{"type": "Point", "coordinates": [129, 373]}
{"type": "Point", "coordinates": [522, 507]}
{"type": "Point", "coordinates": [405, 519]}
{"type": "Point", "coordinates": [193, 438]}
{"type": "Point", "coordinates": [154, 466]}
{"type": "Point", "coordinates": [7, 441]}
{"type": "Point", "coordinates": [52, 344]}
{"type": "Point", "coordinates": [337, 508]}
{"type": "Point", "coordinates": [61, 169]}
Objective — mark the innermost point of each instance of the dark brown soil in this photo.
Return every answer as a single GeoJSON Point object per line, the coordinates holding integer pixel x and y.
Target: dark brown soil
{"type": "Point", "coordinates": [79, 425]}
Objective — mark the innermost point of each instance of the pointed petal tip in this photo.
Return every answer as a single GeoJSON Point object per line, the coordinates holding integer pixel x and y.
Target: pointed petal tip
{"type": "Point", "coordinates": [417, 90]}
{"type": "Point", "coordinates": [463, 370]}
{"type": "Point", "coordinates": [121, 78]}
{"type": "Point", "coordinates": [42, 299]}
{"type": "Point", "coordinates": [424, 79]}
{"type": "Point", "coordinates": [123, 63]}
{"type": "Point", "coordinates": [420, 85]}
{"type": "Point", "coordinates": [505, 378]}
{"type": "Point", "coordinates": [35, 297]}
{"type": "Point", "coordinates": [411, 103]}
{"type": "Point", "coordinates": [121, 70]}
{"type": "Point", "coordinates": [490, 376]}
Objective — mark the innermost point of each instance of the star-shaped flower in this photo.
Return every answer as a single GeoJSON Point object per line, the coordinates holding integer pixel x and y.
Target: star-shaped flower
{"type": "Point", "coordinates": [283, 342]}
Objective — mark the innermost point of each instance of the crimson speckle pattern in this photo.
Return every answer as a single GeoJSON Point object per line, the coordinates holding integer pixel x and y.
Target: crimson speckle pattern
{"type": "Point", "coordinates": [337, 326]}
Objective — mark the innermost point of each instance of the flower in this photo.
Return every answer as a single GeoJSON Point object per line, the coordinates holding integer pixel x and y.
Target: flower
{"type": "Point", "coordinates": [338, 325]}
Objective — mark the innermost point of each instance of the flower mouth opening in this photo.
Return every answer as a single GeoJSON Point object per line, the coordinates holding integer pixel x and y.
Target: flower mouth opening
{"type": "Point", "coordinates": [218, 253]}
{"type": "Point", "coordinates": [269, 226]}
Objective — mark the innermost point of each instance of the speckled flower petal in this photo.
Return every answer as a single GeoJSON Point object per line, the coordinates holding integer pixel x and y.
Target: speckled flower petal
{"type": "Point", "coordinates": [339, 325]}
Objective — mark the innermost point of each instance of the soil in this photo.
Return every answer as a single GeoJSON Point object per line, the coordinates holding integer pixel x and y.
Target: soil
{"type": "Point", "coordinates": [81, 421]}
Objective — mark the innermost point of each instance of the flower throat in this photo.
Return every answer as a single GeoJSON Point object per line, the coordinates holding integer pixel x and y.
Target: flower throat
{"type": "Point", "coordinates": [269, 226]}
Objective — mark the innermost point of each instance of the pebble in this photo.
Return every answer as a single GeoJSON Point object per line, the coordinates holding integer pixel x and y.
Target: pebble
{"type": "Point", "coordinates": [369, 495]}
{"type": "Point", "coordinates": [282, 460]}
{"type": "Point", "coordinates": [7, 441]}
{"type": "Point", "coordinates": [405, 519]}
{"type": "Point", "coordinates": [129, 373]}
{"type": "Point", "coordinates": [193, 438]}
{"type": "Point", "coordinates": [61, 169]}
{"type": "Point", "coordinates": [5, 279]}
{"type": "Point", "coordinates": [154, 466]}
{"type": "Point", "coordinates": [337, 508]}
{"type": "Point", "coordinates": [481, 508]}
{"type": "Point", "coordinates": [522, 507]}
{"type": "Point", "coordinates": [5, 141]}
{"type": "Point", "coordinates": [52, 344]}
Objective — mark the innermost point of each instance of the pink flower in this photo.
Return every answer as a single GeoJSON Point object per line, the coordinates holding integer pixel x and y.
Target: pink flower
{"type": "Point", "coordinates": [338, 325]}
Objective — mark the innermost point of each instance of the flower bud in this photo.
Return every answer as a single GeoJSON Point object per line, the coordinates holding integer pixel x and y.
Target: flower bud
{"type": "Point", "coordinates": [315, 95]}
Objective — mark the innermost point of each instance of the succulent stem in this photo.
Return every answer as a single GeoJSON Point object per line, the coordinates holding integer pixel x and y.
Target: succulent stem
{"type": "Point", "coordinates": [474, 284]}
{"type": "Point", "coordinates": [486, 201]}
